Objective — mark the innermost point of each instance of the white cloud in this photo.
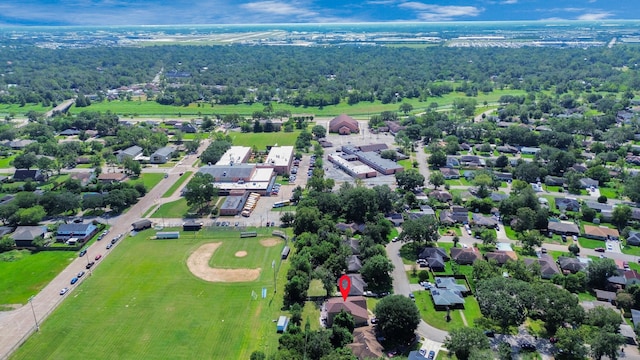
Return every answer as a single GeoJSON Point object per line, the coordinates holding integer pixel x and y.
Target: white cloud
{"type": "Point", "coordinates": [429, 12]}
{"type": "Point", "coordinates": [381, 2]}
{"type": "Point", "coordinates": [595, 16]}
{"type": "Point", "coordinates": [509, 2]}
{"type": "Point", "coordinates": [279, 8]}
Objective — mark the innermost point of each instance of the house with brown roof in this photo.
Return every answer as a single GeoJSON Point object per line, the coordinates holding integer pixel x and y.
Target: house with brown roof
{"type": "Point", "coordinates": [355, 305]}
{"type": "Point", "coordinates": [548, 267]}
{"type": "Point", "coordinates": [601, 233]}
{"type": "Point", "coordinates": [441, 195]}
{"type": "Point", "coordinates": [484, 221]}
{"type": "Point", "coordinates": [450, 173]}
{"type": "Point", "coordinates": [465, 256]}
{"type": "Point", "coordinates": [501, 257]}
{"type": "Point", "coordinates": [365, 344]}
{"type": "Point", "coordinates": [112, 177]}
{"type": "Point", "coordinates": [344, 125]}
{"type": "Point", "coordinates": [570, 264]}
{"type": "Point", "coordinates": [632, 276]}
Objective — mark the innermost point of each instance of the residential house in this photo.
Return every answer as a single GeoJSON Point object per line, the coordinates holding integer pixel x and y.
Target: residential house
{"type": "Point", "coordinates": [450, 173]}
{"type": "Point", "coordinates": [484, 221]}
{"type": "Point", "coordinates": [599, 207]}
{"type": "Point", "coordinates": [441, 195]}
{"type": "Point", "coordinates": [525, 150]}
{"type": "Point", "coordinates": [465, 147]}
{"type": "Point", "coordinates": [570, 264]}
{"type": "Point", "coordinates": [634, 238]}
{"type": "Point", "coordinates": [568, 204]}
{"type": "Point", "coordinates": [18, 144]}
{"type": "Point", "coordinates": [451, 283]}
{"type": "Point", "coordinates": [358, 285]}
{"type": "Point", "coordinates": [578, 168]}
{"type": "Point", "coordinates": [563, 228]}
{"type": "Point", "coordinates": [396, 219]}
{"type": "Point", "coordinates": [497, 197]}
{"type": "Point", "coordinates": [84, 177]}
{"type": "Point", "coordinates": [24, 235]}
{"type": "Point", "coordinates": [632, 277]}
{"type": "Point", "coordinates": [507, 149]}
{"type": "Point", "coordinates": [471, 161]}
{"type": "Point", "coordinates": [356, 306]}
{"type": "Point", "coordinates": [28, 174]}
{"type": "Point", "coordinates": [427, 210]}
{"type": "Point", "coordinates": [112, 177]}
{"type": "Point", "coordinates": [365, 344]}
{"type": "Point", "coordinates": [635, 316]}
{"type": "Point", "coordinates": [394, 127]}
{"type": "Point", "coordinates": [414, 355]}
{"type": "Point", "coordinates": [601, 233]}
{"type": "Point", "coordinates": [618, 281]}
{"type": "Point", "coordinates": [188, 128]}
{"type": "Point", "coordinates": [465, 256]}
{"type": "Point", "coordinates": [608, 296]}
{"type": "Point", "coordinates": [444, 299]}
{"type": "Point", "coordinates": [586, 183]}
{"type": "Point", "coordinates": [69, 132]}
{"type": "Point", "coordinates": [554, 180]}
{"type": "Point", "coordinates": [353, 264]}
{"type": "Point", "coordinates": [130, 152]}
{"type": "Point", "coordinates": [548, 267]}
{"type": "Point", "coordinates": [460, 214]}
{"type": "Point", "coordinates": [503, 176]}
{"type": "Point", "coordinates": [82, 232]}
{"type": "Point", "coordinates": [452, 162]}
{"type": "Point", "coordinates": [161, 155]}
{"type": "Point", "coordinates": [436, 258]}
{"type": "Point", "coordinates": [501, 256]}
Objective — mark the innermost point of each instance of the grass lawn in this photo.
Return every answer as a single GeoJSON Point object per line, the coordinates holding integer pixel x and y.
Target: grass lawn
{"type": "Point", "coordinates": [174, 209]}
{"type": "Point", "coordinates": [438, 318]}
{"type": "Point", "coordinates": [149, 180]}
{"type": "Point", "coordinates": [444, 230]}
{"type": "Point", "coordinates": [262, 140]}
{"type": "Point", "coordinates": [511, 234]}
{"type": "Point", "coordinates": [406, 164]}
{"type": "Point", "coordinates": [177, 184]}
{"type": "Point", "coordinates": [25, 274]}
{"type": "Point", "coordinates": [143, 302]}
{"type": "Point", "coordinates": [631, 250]}
{"type": "Point", "coordinates": [590, 243]}
{"type": "Point", "coordinates": [610, 193]}
{"type": "Point", "coordinates": [5, 161]}
{"type": "Point", "coordinates": [311, 311]}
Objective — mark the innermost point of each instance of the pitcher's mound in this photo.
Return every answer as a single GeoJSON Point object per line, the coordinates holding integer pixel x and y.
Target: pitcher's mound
{"type": "Point", "coordinates": [198, 264]}
{"type": "Point", "coordinates": [241, 254]}
{"type": "Point", "coordinates": [270, 242]}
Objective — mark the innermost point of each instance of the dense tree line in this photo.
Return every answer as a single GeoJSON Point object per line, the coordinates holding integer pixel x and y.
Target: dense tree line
{"type": "Point", "coordinates": [313, 76]}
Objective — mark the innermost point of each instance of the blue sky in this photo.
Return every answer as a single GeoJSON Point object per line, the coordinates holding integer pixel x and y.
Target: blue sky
{"type": "Point", "coordinates": [175, 12]}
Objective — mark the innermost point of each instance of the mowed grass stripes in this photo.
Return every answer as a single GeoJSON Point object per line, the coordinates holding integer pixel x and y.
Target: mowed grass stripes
{"type": "Point", "coordinates": [144, 303]}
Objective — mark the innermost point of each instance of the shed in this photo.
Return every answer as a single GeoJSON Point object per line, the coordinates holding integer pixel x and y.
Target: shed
{"type": "Point", "coordinates": [168, 235]}
{"type": "Point", "coordinates": [285, 252]}
{"type": "Point", "coordinates": [283, 322]}
{"type": "Point", "coordinates": [192, 225]}
{"type": "Point", "coordinates": [141, 224]}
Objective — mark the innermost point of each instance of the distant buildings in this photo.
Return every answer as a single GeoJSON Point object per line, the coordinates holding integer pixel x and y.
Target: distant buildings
{"type": "Point", "coordinates": [344, 125]}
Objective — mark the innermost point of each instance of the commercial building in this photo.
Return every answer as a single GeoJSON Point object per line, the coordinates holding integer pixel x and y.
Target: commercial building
{"type": "Point", "coordinates": [233, 205]}
{"type": "Point", "coordinates": [235, 178]}
{"type": "Point", "coordinates": [280, 158]}
{"type": "Point", "coordinates": [235, 155]}
{"type": "Point", "coordinates": [373, 159]}
{"type": "Point", "coordinates": [358, 171]}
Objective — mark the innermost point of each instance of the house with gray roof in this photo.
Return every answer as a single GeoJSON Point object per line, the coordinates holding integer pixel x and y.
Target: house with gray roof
{"type": "Point", "coordinates": [563, 228]}
{"type": "Point", "coordinates": [353, 264]}
{"type": "Point", "coordinates": [548, 267]}
{"type": "Point", "coordinates": [130, 152]}
{"type": "Point", "coordinates": [633, 238]}
{"type": "Point", "coordinates": [570, 264]}
{"type": "Point", "coordinates": [161, 155]}
{"type": "Point", "coordinates": [444, 299]}
{"type": "Point", "coordinates": [599, 207]}
{"type": "Point", "coordinates": [24, 235]}
{"type": "Point", "coordinates": [588, 182]}
{"type": "Point", "coordinates": [450, 283]}
{"type": "Point", "coordinates": [484, 221]}
{"type": "Point", "coordinates": [525, 150]}
{"type": "Point", "coordinates": [554, 180]}
{"type": "Point", "coordinates": [568, 204]}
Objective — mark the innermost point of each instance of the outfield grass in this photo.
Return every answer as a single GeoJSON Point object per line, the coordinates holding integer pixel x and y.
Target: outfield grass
{"type": "Point", "coordinates": [174, 209]}
{"type": "Point", "coordinates": [177, 184]}
{"type": "Point", "coordinates": [262, 140]}
{"type": "Point", "coordinates": [142, 302]}
{"type": "Point", "coordinates": [149, 180]}
{"type": "Point", "coordinates": [24, 274]}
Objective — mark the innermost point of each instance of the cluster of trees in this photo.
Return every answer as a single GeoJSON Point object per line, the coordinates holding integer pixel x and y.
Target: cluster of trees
{"type": "Point", "coordinates": [315, 76]}
{"type": "Point", "coordinates": [216, 149]}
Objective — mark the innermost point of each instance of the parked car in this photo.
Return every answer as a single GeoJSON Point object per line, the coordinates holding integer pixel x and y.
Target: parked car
{"type": "Point", "coordinates": [412, 297]}
{"type": "Point", "coordinates": [423, 352]}
{"type": "Point", "coordinates": [109, 246]}
{"type": "Point", "coordinates": [80, 274]}
{"type": "Point", "coordinates": [89, 265]}
{"type": "Point", "coordinates": [64, 291]}
{"type": "Point", "coordinates": [374, 320]}
{"type": "Point", "coordinates": [432, 355]}
{"type": "Point", "coordinates": [543, 250]}
{"type": "Point", "coordinates": [74, 280]}
{"type": "Point", "coordinates": [599, 249]}
{"type": "Point", "coordinates": [527, 346]}
{"type": "Point", "coordinates": [82, 253]}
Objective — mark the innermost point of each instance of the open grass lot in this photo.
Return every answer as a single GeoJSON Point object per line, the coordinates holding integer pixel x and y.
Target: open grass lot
{"type": "Point", "coordinates": [143, 303]}
{"type": "Point", "coordinates": [177, 184]}
{"type": "Point", "coordinates": [590, 243]}
{"type": "Point", "coordinates": [22, 110]}
{"type": "Point", "coordinates": [23, 274]}
{"type": "Point", "coordinates": [174, 209]}
{"type": "Point", "coordinates": [5, 161]}
{"type": "Point", "coordinates": [262, 140]}
{"type": "Point", "coordinates": [149, 180]}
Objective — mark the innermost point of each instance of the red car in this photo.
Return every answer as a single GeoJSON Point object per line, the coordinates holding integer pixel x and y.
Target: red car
{"type": "Point", "coordinates": [98, 256]}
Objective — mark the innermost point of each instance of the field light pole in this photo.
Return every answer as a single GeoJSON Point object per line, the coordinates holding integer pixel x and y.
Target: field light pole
{"type": "Point", "coordinates": [273, 266]}
{"type": "Point", "coordinates": [34, 312]}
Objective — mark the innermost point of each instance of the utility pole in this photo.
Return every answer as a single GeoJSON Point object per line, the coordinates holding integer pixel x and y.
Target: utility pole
{"type": "Point", "coordinates": [34, 313]}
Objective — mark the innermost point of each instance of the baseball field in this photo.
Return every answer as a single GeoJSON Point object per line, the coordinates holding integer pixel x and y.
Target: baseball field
{"type": "Point", "coordinates": [197, 297]}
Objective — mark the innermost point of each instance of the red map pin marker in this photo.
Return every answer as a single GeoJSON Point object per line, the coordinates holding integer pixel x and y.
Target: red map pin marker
{"type": "Point", "coordinates": [344, 284]}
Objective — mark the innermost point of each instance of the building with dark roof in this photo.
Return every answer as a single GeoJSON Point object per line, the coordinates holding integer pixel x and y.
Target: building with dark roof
{"type": "Point", "coordinates": [373, 147]}
{"type": "Point", "coordinates": [568, 204]}
{"type": "Point", "coordinates": [570, 264]}
{"type": "Point", "coordinates": [441, 195]}
{"type": "Point", "coordinates": [548, 267]}
{"type": "Point", "coordinates": [358, 285]}
{"type": "Point", "coordinates": [353, 264]}
{"type": "Point", "coordinates": [24, 235]}
{"type": "Point", "coordinates": [501, 257]}
{"type": "Point", "coordinates": [27, 174]}
{"type": "Point", "coordinates": [484, 221]}
{"type": "Point", "coordinates": [465, 256]}
{"type": "Point", "coordinates": [563, 228]}
{"type": "Point", "coordinates": [450, 173]}
{"type": "Point", "coordinates": [344, 125]}
{"type": "Point", "coordinates": [232, 205]}
{"type": "Point", "coordinates": [634, 238]}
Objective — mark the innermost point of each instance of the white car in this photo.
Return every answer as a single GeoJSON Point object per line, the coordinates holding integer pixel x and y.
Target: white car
{"type": "Point", "coordinates": [64, 291]}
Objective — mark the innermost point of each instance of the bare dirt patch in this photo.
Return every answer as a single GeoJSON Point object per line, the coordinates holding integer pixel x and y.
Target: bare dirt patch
{"type": "Point", "coordinates": [241, 254]}
{"type": "Point", "coordinates": [270, 242]}
{"type": "Point", "coordinates": [198, 263]}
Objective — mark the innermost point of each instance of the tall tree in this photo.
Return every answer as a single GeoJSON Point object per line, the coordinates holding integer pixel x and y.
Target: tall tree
{"type": "Point", "coordinates": [410, 179]}
{"type": "Point", "coordinates": [464, 341]}
{"type": "Point", "coordinates": [398, 318]}
{"type": "Point", "coordinates": [423, 230]}
{"type": "Point", "coordinates": [376, 272]}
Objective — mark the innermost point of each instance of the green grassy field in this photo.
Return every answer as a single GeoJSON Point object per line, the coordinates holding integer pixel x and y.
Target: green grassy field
{"type": "Point", "coordinates": [262, 140]}
{"type": "Point", "coordinates": [5, 161]}
{"type": "Point", "coordinates": [23, 274]}
{"type": "Point", "coordinates": [142, 302]}
{"type": "Point", "coordinates": [590, 243]}
{"type": "Point", "coordinates": [177, 184]}
{"type": "Point", "coordinates": [174, 209]}
{"type": "Point", "coordinates": [149, 180]}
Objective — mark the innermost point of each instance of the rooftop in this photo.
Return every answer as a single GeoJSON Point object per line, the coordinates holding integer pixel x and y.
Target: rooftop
{"type": "Point", "coordinates": [235, 155]}
{"type": "Point", "coordinates": [279, 156]}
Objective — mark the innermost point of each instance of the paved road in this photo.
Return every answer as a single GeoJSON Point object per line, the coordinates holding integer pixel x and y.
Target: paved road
{"type": "Point", "coordinates": [18, 324]}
